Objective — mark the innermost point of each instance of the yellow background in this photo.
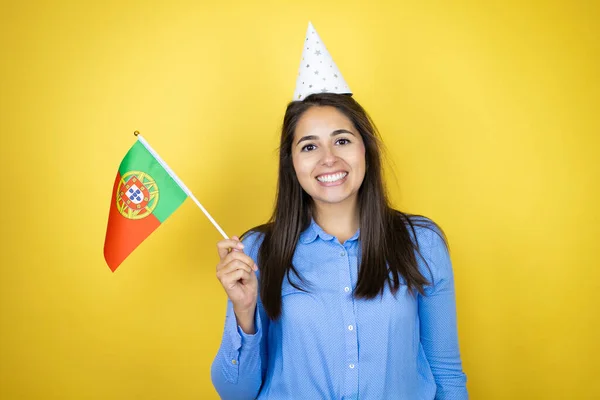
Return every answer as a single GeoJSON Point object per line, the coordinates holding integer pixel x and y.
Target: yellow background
{"type": "Point", "coordinates": [490, 113]}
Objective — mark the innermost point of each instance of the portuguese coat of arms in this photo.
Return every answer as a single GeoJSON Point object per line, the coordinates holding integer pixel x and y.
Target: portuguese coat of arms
{"type": "Point", "coordinates": [137, 195]}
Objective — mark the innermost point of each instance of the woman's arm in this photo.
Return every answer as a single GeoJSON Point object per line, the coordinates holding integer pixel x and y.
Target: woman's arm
{"type": "Point", "coordinates": [438, 328]}
{"type": "Point", "coordinates": [237, 371]}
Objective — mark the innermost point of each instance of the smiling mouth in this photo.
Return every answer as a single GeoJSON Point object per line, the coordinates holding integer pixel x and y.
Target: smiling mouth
{"type": "Point", "coordinates": [330, 178]}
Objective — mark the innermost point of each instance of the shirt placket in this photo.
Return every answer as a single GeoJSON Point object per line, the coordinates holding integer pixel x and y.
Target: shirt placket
{"type": "Point", "coordinates": [349, 317]}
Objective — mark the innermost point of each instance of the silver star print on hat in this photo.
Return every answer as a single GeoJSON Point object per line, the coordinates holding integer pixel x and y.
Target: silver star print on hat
{"type": "Point", "coordinates": [318, 73]}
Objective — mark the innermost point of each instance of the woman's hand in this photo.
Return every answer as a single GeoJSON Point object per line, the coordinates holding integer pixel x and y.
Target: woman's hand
{"type": "Point", "coordinates": [236, 272]}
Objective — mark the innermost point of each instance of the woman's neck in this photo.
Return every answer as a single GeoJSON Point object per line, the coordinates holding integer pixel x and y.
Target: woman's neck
{"type": "Point", "coordinates": [339, 220]}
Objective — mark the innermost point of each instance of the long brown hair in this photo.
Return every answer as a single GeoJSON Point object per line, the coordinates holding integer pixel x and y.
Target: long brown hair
{"type": "Point", "coordinates": [388, 252]}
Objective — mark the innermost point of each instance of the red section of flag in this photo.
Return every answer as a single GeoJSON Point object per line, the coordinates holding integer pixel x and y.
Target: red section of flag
{"type": "Point", "coordinates": [123, 235]}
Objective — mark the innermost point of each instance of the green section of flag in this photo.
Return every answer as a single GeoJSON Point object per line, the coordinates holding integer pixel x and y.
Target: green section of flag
{"type": "Point", "coordinates": [170, 195]}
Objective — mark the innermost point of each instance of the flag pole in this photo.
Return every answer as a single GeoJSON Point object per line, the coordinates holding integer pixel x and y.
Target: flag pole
{"type": "Point", "coordinates": [178, 181]}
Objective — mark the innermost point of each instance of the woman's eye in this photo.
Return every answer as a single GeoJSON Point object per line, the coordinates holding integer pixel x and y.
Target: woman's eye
{"type": "Point", "coordinates": [309, 147]}
{"type": "Point", "coordinates": [343, 141]}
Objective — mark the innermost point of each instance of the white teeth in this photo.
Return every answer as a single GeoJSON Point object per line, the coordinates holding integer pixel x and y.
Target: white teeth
{"type": "Point", "coordinates": [332, 178]}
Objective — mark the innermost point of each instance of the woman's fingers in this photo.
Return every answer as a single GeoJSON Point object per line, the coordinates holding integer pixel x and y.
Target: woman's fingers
{"type": "Point", "coordinates": [233, 277]}
{"type": "Point", "coordinates": [232, 266]}
{"type": "Point", "coordinates": [224, 246]}
{"type": "Point", "coordinates": [237, 255]}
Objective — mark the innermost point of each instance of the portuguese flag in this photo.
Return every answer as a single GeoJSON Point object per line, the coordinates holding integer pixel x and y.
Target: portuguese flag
{"type": "Point", "coordinates": [145, 193]}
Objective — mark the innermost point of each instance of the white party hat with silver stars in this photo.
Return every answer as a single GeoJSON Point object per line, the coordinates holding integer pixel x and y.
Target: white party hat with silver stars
{"type": "Point", "coordinates": [318, 73]}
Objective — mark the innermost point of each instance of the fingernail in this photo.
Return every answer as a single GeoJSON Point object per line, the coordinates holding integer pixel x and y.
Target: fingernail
{"type": "Point", "coordinates": [240, 245]}
{"type": "Point", "coordinates": [255, 267]}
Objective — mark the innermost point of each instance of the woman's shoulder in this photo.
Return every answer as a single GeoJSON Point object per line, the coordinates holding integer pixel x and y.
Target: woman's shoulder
{"type": "Point", "coordinates": [432, 246]}
{"type": "Point", "coordinates": [423, 230]}
{"type": "Point", "coordinates": [253, 238]}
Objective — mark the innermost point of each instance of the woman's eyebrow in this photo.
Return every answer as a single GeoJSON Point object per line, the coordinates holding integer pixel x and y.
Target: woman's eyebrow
{"type": "Point", "coordinates": [340, 131]}
{"type": "Point", "coordinates": [305, 138]}
{"type": "Point", "coordinates": [313, 137]}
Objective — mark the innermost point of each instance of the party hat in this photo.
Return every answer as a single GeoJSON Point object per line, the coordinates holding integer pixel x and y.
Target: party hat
{"type": "Point", "coordinates": [318, 73]}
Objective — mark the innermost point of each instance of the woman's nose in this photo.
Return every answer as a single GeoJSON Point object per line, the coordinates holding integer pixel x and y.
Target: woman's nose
{"type": "Point", "coordinates": [329, 157]}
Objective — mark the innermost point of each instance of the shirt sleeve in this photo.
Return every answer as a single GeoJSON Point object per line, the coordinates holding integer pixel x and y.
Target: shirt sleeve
{"type": "Point", "coordinates": [438, 327]}
{"type": "Point", "coordinates": [238, 369]}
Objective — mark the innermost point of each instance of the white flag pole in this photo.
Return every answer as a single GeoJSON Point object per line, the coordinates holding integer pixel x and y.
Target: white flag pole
{"type": "Point", "coordinates": [179, 182]}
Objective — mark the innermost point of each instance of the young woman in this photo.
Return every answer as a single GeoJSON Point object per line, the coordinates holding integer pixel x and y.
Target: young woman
{"type": "Point", "coordinates": [338, 296]}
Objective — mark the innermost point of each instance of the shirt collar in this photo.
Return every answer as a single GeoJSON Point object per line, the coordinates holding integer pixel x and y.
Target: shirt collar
{"type": "Point", "coordinates": [314, 230]}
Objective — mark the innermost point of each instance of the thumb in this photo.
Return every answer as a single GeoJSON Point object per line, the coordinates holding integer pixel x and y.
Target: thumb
{"type": "Point", "coordinates": [238, 240]}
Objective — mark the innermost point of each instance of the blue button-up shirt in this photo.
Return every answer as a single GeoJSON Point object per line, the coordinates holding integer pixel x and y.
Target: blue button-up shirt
{"type": "Point", "coordinates": [329, 345]}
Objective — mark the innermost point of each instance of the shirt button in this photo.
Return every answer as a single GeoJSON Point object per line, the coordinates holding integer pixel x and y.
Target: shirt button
{"type": "Point", "coordinates": [342, 253]}
{"type": "Point", "coordinates": [351, 366]}
{"type": "Point", "coordinates": [234, 361]}
{"type": "Point", "coordinates": [350, 327]}
{"type": "Point", "coordinates": [346, 289]}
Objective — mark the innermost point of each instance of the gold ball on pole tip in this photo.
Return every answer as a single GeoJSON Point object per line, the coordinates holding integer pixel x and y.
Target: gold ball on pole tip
{"type": "Point", "coordinates": [135, 133]}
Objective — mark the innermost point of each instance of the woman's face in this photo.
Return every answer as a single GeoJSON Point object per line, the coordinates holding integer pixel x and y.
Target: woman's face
{"type": "Point", "coordinates": [328, 155]}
